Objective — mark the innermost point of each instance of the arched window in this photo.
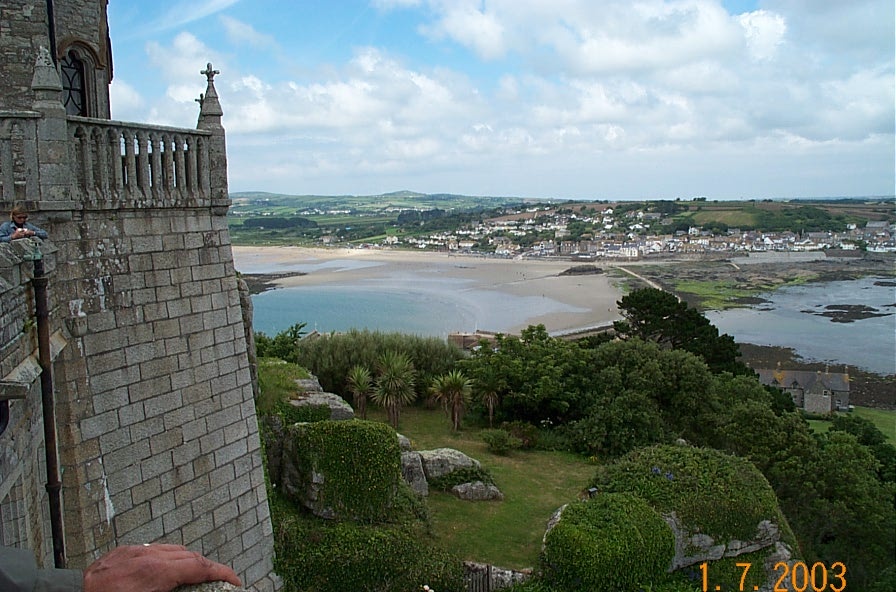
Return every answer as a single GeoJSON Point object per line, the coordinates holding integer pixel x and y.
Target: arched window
{"type": "Point", "coordinates": [74, 93]}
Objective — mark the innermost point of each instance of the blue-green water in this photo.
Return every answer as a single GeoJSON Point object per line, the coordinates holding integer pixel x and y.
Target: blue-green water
{"type": "Point", "coordinates": [404, 302]}
{"type": "Point", "coordinates": [427, 304]}
{"type": "Point", "coordinates": [791, 319]}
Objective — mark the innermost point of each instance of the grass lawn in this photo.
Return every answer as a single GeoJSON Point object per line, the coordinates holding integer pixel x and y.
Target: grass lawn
{"type": "Point", "coordinates": [884, 419]}
{"type": "Point", "coordinates": [534, 484]}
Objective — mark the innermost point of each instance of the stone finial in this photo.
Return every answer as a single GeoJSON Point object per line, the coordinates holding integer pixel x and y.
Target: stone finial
{"type": "Point", "coordinates": [210, 72]}
{"type": "Point", "coordinates": [45, 78]}
{"type": "Point", "coordinates": [209, 107]}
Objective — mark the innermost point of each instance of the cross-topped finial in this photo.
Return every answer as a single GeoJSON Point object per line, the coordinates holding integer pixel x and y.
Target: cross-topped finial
{"type": "Point", "coordinates": [209, 72]}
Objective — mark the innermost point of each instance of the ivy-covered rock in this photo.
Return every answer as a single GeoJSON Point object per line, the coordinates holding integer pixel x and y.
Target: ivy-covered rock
{"type": "Point", "coordinates": [342, 469]}
{"type": "Point", "coordinates": [614, 541]}
{"type": "Point", "coordinates": [338, 556]}
{"type": "Point", "coordinates": [719, 507]}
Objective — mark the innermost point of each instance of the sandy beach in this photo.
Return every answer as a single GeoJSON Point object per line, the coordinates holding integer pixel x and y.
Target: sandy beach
{"type": "Point", "coordinates": [527, 291]}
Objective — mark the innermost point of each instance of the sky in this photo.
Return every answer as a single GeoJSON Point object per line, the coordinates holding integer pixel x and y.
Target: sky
{"type": "Point", "coordinates": [561, 99]}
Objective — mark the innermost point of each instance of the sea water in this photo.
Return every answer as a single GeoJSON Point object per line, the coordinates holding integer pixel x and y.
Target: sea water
{"type": "Point", "coordinates": [790, 318]}
{"type": "Point", "coordinates": [404, 302]}
{"type": "Point", "coordinates": [420, 304]}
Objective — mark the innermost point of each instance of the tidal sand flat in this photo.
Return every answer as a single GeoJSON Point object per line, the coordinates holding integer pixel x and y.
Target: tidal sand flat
{"type": "Point", "coordinates": [422, 292]}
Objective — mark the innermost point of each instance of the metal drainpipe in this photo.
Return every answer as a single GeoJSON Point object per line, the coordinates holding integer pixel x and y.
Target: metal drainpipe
{"type": "Point", "coordinates": [54, 486]}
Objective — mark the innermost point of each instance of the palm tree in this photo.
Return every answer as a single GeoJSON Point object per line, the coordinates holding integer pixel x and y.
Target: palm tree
{"type": "Point", "coordinates": [360, 384]}
{"type": "Point", "coordinates": [488, 385]}
{"type": "Point", "coordinates": [453, 390]}
{"type": "Point", "coordinates": [394, 384]}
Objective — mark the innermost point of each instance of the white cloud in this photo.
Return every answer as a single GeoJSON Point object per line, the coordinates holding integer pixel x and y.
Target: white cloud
{"type": "Point", "coordinates": [241, 33]}
{"type": "Point", "coordinates": [764, 32]}
{"type": "Point", "coordinates": [660, 95]}
{"type": "Point", "coordinates": [184, 13]}
{"type": "Point", "coordinates": [126, 103]}
{"type": "Point", "coordinates": [465, 22]}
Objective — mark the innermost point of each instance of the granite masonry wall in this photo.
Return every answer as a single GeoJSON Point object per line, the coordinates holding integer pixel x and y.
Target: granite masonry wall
{"type": "Point", "coordinates": [157, 433]}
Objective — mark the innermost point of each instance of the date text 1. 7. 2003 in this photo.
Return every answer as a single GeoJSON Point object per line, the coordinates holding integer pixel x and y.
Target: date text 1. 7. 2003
{"type": "Point", "coordinates": [797, 577]}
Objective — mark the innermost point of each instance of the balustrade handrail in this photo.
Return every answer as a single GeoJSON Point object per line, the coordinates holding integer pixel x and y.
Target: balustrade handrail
{"type": "Point", "coordinates": [126, 163]}
{"type": "Point", "coordinates": [136, 125]}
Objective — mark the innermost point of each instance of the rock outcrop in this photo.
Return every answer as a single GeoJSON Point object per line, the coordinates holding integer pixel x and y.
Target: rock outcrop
{"type": "Point", "coordinates": [477, 491]}
{"type": "Point", "coordinates": [339, 409]}
{"type": "Point", "coordinates": [412, 472]}
{"type": "Point", "coordinates": [442, 461]}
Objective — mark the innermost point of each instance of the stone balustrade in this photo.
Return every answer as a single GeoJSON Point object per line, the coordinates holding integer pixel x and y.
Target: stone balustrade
{"type": "Point", "coordinates": [134, 165]}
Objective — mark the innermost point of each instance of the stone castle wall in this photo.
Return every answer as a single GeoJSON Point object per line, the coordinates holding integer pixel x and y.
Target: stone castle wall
{"type": "Point", "coordinates": [157, 434]}
{"type": "Point", "coordinates": [24, 514]}
{"type": "Point", "coordinates": [23, 29]}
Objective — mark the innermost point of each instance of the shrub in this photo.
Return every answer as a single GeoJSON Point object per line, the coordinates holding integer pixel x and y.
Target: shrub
{"type": "Point", "coordinates": [330, 357]}
{"type": "Point", "coordinates": [500, 441]}
{"type": "Point", "coordinates": [525, 432]}
{"type": "Point", "coordinates": [302, 414]}
{"type": "Point", "coordinates": [328, 556]}
{"type": "Point", "coordinates": [614, 541]}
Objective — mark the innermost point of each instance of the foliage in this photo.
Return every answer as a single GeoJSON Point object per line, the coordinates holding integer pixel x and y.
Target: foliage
{"type": "Point", "coordinates": [360, 385]}
{"type": "Point", "coordinates": [276, 222]}
{"type": "Point", "coordinates": [710, 491]}
{"type": "Point", "coordinates": [394, 384]}
{"type": "Point", "coordinates": [328, 556]}
{"type": "Point", "coordinates": [361, 462]}
{"type": "Point", "coordinates": [460, 476]}
{"type": "Point", "coordinates": [869, 435]}
{"type": "Point", "coordinates": [277, 383]}
{"type": "Point", "coordinates": [622, 423]}
{"type": "Point", "coordinates": [538, 377]}
{"type": "Point", "coordinates": [614, 541]}
{"type": "Point", "coordinates": [828, 486]}
{"type": "Point", "coordinates": [302, 414]}
{"type": "Point", "coordinates": [453, 390]}
{"type": "Point", "coordinates": [525, 432]}
{"type": "Point", "coordinates": [885, 582]}
{"type": "Point", "coordinates": [281, 345]}
{"type": "Point", "coordinates": [655, 315]}
{"type": "Point", "coordinates": [330, 357]}
{"type": "Point", "coordinates": [500, 441]}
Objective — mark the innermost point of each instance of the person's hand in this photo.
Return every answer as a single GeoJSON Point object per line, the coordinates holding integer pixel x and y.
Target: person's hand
{"type": "Point", "coordinates": [21, 233]}
{"type": "Point", "coordinates": [153, 568]}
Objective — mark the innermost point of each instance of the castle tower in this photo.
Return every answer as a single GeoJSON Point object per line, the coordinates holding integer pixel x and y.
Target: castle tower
{"type": "Point", "coordinates": [157, 434]}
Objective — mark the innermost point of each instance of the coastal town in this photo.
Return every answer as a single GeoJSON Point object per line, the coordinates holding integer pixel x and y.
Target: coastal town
{"type": "Point", "coordinates": [631, 234]}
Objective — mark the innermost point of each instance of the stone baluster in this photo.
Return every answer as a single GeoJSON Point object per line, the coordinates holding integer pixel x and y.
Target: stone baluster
{"type": "Point", "coordinates": [98, 139]}
{"type": "Point", "coordinates": [119, 162]}
{"type": "Point", "coordinates": [180, 169]}
{"type": "Point", "coordinates": [157, 183]}
{"type": "Point", "coordinates": [130, 163]}
{"type": "Point", "coordinates": [144, 172]}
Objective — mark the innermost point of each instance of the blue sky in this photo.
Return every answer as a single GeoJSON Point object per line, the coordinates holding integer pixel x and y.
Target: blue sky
{"type": "Point", "coordinates": [581, 99]}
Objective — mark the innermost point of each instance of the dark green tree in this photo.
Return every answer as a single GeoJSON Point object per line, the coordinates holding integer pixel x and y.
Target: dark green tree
{"type": "Point", "coordinates": [658, 316]}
